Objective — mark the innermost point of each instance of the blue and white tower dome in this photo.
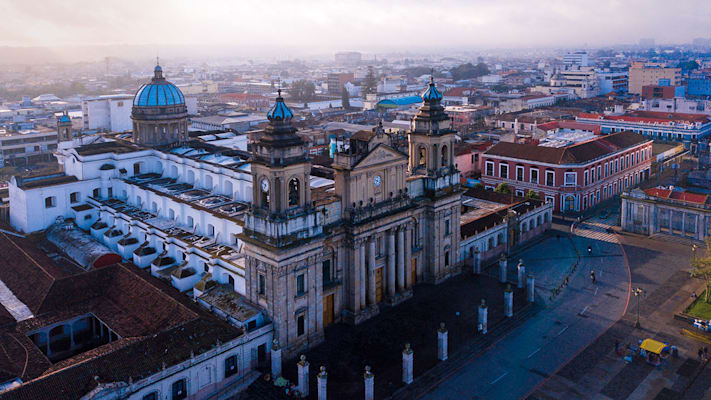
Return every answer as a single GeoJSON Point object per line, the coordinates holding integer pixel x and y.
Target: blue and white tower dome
{"type": "Point", "coordinates": [159, 113]}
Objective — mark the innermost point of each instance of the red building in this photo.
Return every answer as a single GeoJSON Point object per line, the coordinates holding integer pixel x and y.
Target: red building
{"type": "Point", "coordinates": [574, 177]}
{"type": "Point", "coordinates": [468, 157]}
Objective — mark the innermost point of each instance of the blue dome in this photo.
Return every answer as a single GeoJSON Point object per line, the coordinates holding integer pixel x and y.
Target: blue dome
{"type": "Point", "coordinates": [431, 94]}
{"type": "Point", "coordinates": [65, 118]}
{"type": "Point", "coordinates": [280, 112]}
{"type": "Point", "coordinates": [158, 92]}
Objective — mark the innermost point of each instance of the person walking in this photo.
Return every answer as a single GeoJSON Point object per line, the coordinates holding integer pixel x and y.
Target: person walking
{"type": "Point", "coordinates": [701, 353]}
{"type": "Point", "coordinates": [589, 250]}
{"type": "Point", "coordinates": [592, 276]}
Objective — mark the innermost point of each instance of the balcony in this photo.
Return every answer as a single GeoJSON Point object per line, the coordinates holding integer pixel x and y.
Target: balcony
{"type": "Point", "coordinates": [357, 215]}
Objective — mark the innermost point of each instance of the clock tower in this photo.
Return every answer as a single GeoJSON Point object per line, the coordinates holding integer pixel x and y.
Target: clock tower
{"type": "Point", "coordinates": [283, 235]}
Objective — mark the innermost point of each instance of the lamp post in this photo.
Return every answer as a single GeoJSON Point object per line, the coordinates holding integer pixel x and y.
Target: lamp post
{"type": "Point", "coordinates": [638, 294]}
{"type": "Point", "coordinates": [693, 251]}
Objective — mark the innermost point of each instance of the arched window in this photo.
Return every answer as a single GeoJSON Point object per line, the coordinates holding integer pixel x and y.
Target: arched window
{"type": "Point", "coordinates": [422, 156]}
{"type": "Point", "coordinates": [445, 156]}
{"type": "Point", "coordinates": [293, 192]}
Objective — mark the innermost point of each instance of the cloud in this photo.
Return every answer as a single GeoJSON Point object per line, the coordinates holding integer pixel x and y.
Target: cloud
{"type": "Point", "coordinates": [354, 24]}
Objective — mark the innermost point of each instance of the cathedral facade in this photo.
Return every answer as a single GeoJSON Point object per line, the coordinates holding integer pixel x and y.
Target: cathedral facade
{"type": "Point", "coordinates": [315, 256]}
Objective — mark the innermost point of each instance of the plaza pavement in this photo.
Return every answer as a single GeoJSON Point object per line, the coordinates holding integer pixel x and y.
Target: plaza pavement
{"type": "Point", "coordinates": [571, 320]}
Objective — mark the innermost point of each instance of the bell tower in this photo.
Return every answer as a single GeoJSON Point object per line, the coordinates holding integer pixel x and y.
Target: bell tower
{"type": "Point", "coordinates": [431, 142]}
{"type": "Point", "coordinates": [281, 168]}
{"type": "Point", "coordinates": [64, 128]}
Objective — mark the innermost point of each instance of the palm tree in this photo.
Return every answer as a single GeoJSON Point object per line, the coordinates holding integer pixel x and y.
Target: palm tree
{"type": "Point", "coordinates": [701, 268]}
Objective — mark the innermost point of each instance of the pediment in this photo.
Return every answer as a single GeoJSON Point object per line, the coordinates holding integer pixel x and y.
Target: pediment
{"type": "Point", "coordinates": [380, 155]}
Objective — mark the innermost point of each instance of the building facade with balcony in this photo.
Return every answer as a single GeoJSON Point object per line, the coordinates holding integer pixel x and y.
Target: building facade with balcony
{"type": "Point", "coordinates": [573, 177]}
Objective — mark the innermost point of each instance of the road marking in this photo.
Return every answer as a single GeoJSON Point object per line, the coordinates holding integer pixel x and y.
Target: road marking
{"type": "Point", "coordinates": [499, 378]}
{"type": "Point", "coordinates": [536, 351]}
{"type": "Point", "coordinates": [561, 331]}
{"type": "Point", "coordinates": [596, 291]}
{"type": "Point", "coordinates": [583, 312]}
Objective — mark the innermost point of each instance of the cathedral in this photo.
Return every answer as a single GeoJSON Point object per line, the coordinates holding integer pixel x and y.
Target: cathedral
{"type": "Point", "coordinates": [259, 231]}
{"type": "Point", "coordinates": [316, 256]}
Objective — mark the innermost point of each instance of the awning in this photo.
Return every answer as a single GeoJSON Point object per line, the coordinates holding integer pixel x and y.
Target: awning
{"type": "Point", "coordinates": [653, 346]}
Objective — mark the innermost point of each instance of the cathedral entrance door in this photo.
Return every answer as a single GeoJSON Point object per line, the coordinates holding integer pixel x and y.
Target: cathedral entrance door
{"type": "Point", "coordinates": [327, 310]}
{"type": "Point", "coordinates": [379, 284]}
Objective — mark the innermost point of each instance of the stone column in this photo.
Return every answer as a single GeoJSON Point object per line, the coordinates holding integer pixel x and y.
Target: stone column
{"type": "Point", "coordinates": [276, 359]}
{"type": "Point", "coordinates": [508, 302]}
{"type": "Point", "coordinates": [400, 259]}
{"type": "Point", "coordinates": [303, 367]}
{"type": "Point", "coordinates": [407, 356]}
{"type": "Point", "coordinates": [442, 342]}
{"type": "Point", "coordinates": [483, 310]}
{"type": "Point", "coordinates": [368, 379]}
{"type": "Point", "coordinates": [476, 262]}
{"type": "Point", "coordinates": [502, 268]}
{"type": "Point", "coordinates": [391, 263]}
{"type": "Point", "coordinates": [530, 288]}
{"type": "Point", "coordinates": [408, 258]}
{"type": "Point", "coordinates": [355, 278]}
{"type": "Point", "coordinates": [371, 274]}
{"type": "Point", "coordinates": [521, 274]}
{"type": "Point", "coordinates": [321, 379]}
{"type": "Point", "coordinates": [363, 275]}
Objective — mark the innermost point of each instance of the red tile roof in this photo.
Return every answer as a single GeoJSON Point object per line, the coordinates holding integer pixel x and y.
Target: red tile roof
{"type": "Point", "coordinates": [564, 124]}
{"type": "Point", "coordinates": [650, 117]}
{"type": "Point", "coordinates": [689, 197]}
{"type": "Point", "coordinates": [579, 153]}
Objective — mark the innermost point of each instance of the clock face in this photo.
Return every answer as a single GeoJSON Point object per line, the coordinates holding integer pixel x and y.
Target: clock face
{"type": "Point", "coordinates": [265, 185]}
{"type": "Point", "coordinates": [376, 181]}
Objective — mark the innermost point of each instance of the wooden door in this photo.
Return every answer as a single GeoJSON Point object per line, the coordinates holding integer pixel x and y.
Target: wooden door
{"type": "Point", "coordinates": [327, 310]}
{"type": "Point", "coordinates": [379, 284]}
{"type": "Point", "coordinates": [413, 271]}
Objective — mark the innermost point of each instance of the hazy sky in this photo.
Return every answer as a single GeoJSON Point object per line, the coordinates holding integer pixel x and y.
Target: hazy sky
{"type": "Point", "coordinates": [352, 25]}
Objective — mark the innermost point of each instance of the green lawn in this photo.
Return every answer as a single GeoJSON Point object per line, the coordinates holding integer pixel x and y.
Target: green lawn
{"type": "Point", "coordinates": [700, 308]}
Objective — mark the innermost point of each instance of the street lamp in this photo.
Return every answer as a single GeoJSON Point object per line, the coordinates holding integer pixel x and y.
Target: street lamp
{"type": "Point", "coordinates": [638, 294]}
{"type": "Point", "coordinates": [693, 251]}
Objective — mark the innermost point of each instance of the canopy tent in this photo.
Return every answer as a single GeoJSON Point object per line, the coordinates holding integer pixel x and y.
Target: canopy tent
{"type": "Point", "coordinates": [653, 346]}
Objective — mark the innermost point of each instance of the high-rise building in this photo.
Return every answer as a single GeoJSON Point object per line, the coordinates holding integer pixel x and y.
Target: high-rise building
{"type": "Point", "coordinates": [579, 58]}
{"type": "Point", "coordinates": [336, 81]}
{"type": "Point", "coordinates": [644, 74]}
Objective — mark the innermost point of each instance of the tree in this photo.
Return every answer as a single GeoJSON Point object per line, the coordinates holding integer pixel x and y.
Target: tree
{"type": "Point", "coordinates": [345, 101]}
{"type": "Point", "coordinates": [503, 188]}
{"type": "Point", "coordinates": [469, 71]}
{"type": "Point", "coordinates": [370, 84]}
{"type": "Point", "coordinates": [533, 195]}
{"type": "Point", "coordinates": [303, 90]}
{"type": "Point", "coordinates": [478, 185]}
{"type": "Point", "coordinates": [701, 268]}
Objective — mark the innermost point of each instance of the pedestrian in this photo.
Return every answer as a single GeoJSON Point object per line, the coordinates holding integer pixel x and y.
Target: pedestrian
{"type": "Point", "coordinates": [617, 346]}
{"type": "Point", "coordinates": [592, 276]}
{"type": "Point", "coordinates": [706, 353]}
{"type": "Point", "coordinates": [701, 353]}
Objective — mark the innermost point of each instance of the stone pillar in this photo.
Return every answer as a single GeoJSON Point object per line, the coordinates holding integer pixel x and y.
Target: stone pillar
{"type": "Point", "coordinates": [408, 258]}
{"type": "Point", "coordinates": [508, 302]}
{"type": "Point", "coordinates": [407, 356]}
{"type": "Point", "coordinates": [391, 263]}
{"type": "Point", "coordinates": [363, 274]}
{"type": "Point", "coordinates": [400, 259]}
{"type": "Point", "coordinates": [521, 274]}
{"type": "Point", "coordinates": [371, 273]}
{"type": "Point", "coordinates": [502, 268]}
{"type": "Point", "coordinates": [530, 288]}
{"type": "Point", "coordinates": [483, 310]}
{"type": "Point", "coordinates": [276, 359]}
{"type": "Point", "coordinates": [355, 278]}
{"type": "Point", "coordinates": [368, 379]}
{"type": "Point", "coordinates": [321, 383]}
{"type": "Point", "coordinates": [476, 262]}
{"type": "Point", "coordinates": [442, 342]}
{"type": "Point", "coordinates": [303, 367]}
